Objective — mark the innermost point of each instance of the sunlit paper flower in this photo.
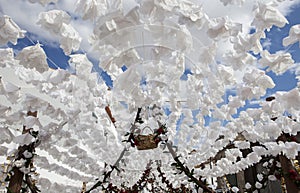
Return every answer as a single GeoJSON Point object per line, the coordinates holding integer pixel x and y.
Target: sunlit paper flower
{"type": "Point", "coordinates": [43, 2]}
{"type": "Point", "coordinates": [258, 185]}
{"type": "Point", "coordinates": [24, 139]}
{"type": "Point", "coordinates": [294, 36]}
{"type": "Point", "coordinates": [278, 62]}
{"type": "Point", "coordinates": [27, 154]}
{"type": "Point", "coordinates": [19, 163]}
{"type": "Point", "coordinates": [248, 185]}
{"type": "Point", "coordinates": [9, 31]}
{"type": "Point", "coordinates": [7, 57]}
{"type": "Point", "coordinates": [272, 178]}
{"type": "Point", "coordinates": [70, 39]}
{"type": "Point", "coordinates": [267, 16]}
{"type": "Point", "coordinates": [53, 20]}
{"type": "Point", "coordinates": [33, 57]}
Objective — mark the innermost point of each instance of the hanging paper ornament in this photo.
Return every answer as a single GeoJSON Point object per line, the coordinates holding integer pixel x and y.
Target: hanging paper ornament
{"type": "Point", "coordinates": [267, 16]}
{"type": "Point", "coordinates": [33, 57]}
{"type": "Point", "coordinates": [7, 57]}
{"type": "Point", "coordinates": [9, 87]}
{"type": "Point", "coordinates": [24, 139]}
{"type": "Point", "coordinates": [6, 135]}
{"type": "Point", "coordinates": [43, 2]}
{"type": "Point", "coordinates": [53, 20]}
{"type": "Point", "coordinates": [279, 62]}
{"type": "Point", "coordinates": [81, 64]}
{"type": "Point", "coordinates": [9, 31]}
{"type": "Point", "coordinates": [70, 39]}
{"type": "Point", "coordinates": [232, 2]}
{"type": "Point", "coordinates": [290, 99]}
{"type": "Point", "coordinates": [294, 36]}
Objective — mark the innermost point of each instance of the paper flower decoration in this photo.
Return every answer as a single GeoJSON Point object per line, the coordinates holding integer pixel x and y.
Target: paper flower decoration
{"type": "Point", "coordinates": [33, 57]}
{"type": "Point", "coordinates": [294, 36]}
{"type": "Point", "coordinates": [9, 31]}
{"type": "Point", "coordinates": [43, 2]}
{"type": "Point", "coordinates": [7, 57]}
{"type": "Point", "coordinates": [53, 20]}
{"type": "Point", "coordinates": [278, 62]}
{"type": "Point", "coordinates": [267, 16]}
{"type": "Point", "coordinates": [24, 139]}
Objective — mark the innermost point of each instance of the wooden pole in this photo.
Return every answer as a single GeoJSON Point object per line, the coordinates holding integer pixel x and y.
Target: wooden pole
{"type": "Point", "coordinates": [15, 183]}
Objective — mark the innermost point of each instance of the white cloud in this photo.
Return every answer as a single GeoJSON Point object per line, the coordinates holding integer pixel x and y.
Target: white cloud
{"type": "Point", "coordinates": [295, 69]}
{"type": "Point", "coordinates": [267, 43]}
{"type": "Point", "coordinates": [286, 6]}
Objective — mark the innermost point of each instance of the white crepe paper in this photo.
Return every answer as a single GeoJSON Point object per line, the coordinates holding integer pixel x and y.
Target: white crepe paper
{"type": "Point", "coordinates": [267, 16]}
{"type": "Point", "coordinates": [90, 9]}
{"type": "Point", "coordinates": [9, 31]}
{"type": "Point", "coordinates": [258, 185]}
{"type": "Point", "coordinates": [81, 64]}
{"type": "Point", "coordinates": [7, 57]}
{"type": "Point", "coordinates": [6, 135]}
{"type": "Point", "coordinates": [294, 36]}
{"type": "Point", "coordinates": [248, 185]}
{"type": "Point", "coordinates": [222, 27]}
{"type": "Point", "coordinates": [24, 139]}
{"type": "Point", "coordinates": [43, 2]}
{"type": "Point", "coordinates": [278, 62]}
{"type": "Point", "coordinates": [235, 189]}
{"type": "Point", "coordinates": [232, 2]}
{"type": "Point", "coordinates": [70, 39]}
{"type": "Point", "coordinates": [8, 87]}
{"type": "Point", "coordinates": [272, 178]}
{"type": "Point", "coordinates": [33, 57]}
{"type": "Point", "coordinates": [290, 99]}
{"type": "Point", "coordinates": [53, 20]}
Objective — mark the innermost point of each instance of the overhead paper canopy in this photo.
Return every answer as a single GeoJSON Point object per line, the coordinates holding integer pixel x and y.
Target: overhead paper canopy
{"type": "Point", "coordinates": [192, 80]}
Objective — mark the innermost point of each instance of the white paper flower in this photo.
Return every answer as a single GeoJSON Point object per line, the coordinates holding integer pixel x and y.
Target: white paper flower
{"type": "Point", "coordinates": [27, 154]}
{"type": "Point", "coordinates": [9, 31]}
{"type": "Point", "coordinates": [278, 62]}
{"type": "Point", "coordinates": [9, 87]}
{"type": "Point", "coordinates": [272, 178]}
{"type": "Point", "coordinates": [70, 39]}
{"type": "Point", "coordinates": [24, 170]}
{"type": "Point", "coordinates": [58, 76]}
{"type": "Point", "coordinates": [43, 2]}
{"type": "Point", "coordinates": [33, 57]}
{"type": "Point", "coordinates": [258, 185]}
{"type": "Point", "coordinates": [7, 57]}
{"type": "Point", "coordinates": [222, 27]}
{"type": "Point", "coordinates": [248, 185]}
{"type": "Point", "coordinates": [260, 177]}
{"type": "Point", "coordinates": [53, 20]}
{"type": "Point", "coordinates": [253, 157]}
{"type": "Point", "coordinates": [290, 99]}
{"type": "Point", "coordinates": [232, 2]}
{"type": "Point", "coordinates": [294, 36]}
{"type": "Point", "coordinates": [24, 139]}
{"type": "Point", "coordinates": [267, 16]}
{"type": "Point", "coordinates": [19, 163]}
{"type": "Point", "coordinates": [81, 64]}
{"type": "Point", "coordinates": [30, 121]}
{"type": "Point", "coordinates": [90, 9]}
{"type": "Point", "coordinates": [235, 189]}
